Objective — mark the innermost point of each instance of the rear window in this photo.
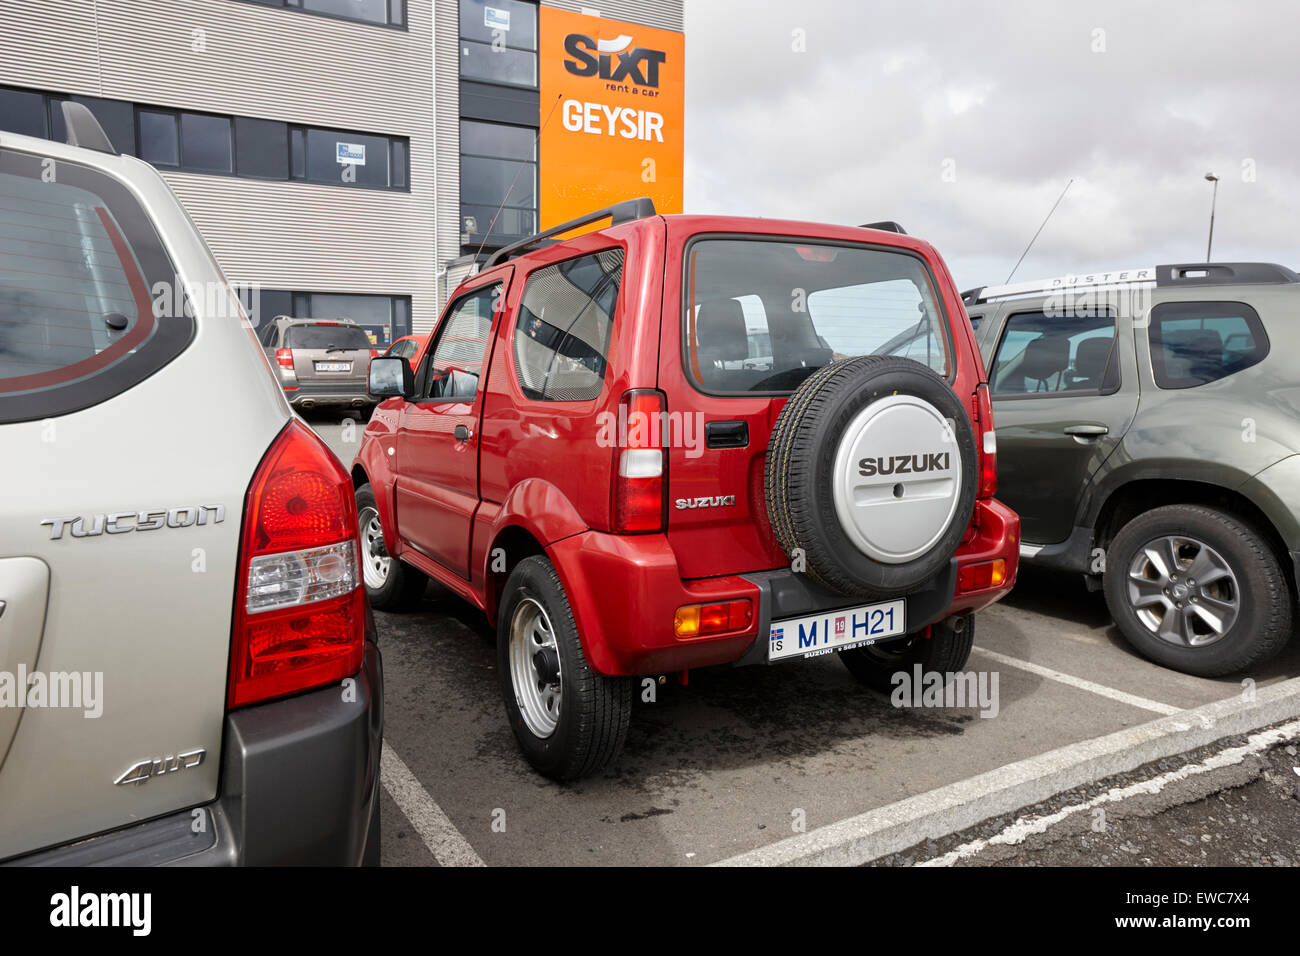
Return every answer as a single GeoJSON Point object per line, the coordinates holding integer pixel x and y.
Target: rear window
{"type": "Point", "coordinates": [1194, 343]}
{"type": "Point", "coordinates": [763, 315]}
{"type": "Point", "coordinates": [326, 337]}
{"type": "Point", "coordinates": [79, 260]}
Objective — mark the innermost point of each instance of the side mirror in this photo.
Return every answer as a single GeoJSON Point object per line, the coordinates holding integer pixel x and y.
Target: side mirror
{"type": "Point", "coordinates": [390, 378]}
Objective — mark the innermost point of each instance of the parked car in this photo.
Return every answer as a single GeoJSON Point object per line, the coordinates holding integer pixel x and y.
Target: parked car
{"type": "Point", "coordinates": [180, 578]}
{"type": "Point", "coordinates": [321, 362]}
{"type": "Point", "coordinates": [406, 347]}
{"type": "Point", "coordinates": [586, 453]}
{"type": "Point", "coordinates": [1148, 437]}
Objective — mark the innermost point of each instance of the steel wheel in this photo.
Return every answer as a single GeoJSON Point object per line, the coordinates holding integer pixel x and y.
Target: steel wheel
{"type": "Point", "coordinates": [535, 667]}
{"type": "Point", "coordinates": [375, 562]}
{"type": "Point", "coordinates": [1183, 591]}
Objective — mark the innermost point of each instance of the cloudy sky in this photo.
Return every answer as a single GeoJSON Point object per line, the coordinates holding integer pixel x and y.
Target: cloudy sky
{"type": "Point", "coordinates": [965, 120]}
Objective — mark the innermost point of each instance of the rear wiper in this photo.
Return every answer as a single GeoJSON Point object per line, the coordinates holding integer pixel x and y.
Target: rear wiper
{"type": "Point", "coordinates": [336, 348]}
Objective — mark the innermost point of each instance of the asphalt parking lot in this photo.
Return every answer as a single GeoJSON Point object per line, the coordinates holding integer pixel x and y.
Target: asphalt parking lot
{"type": "Point", "coordinates": [740, 759]}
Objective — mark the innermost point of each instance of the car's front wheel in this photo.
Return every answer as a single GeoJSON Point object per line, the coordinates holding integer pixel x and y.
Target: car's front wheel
{"type": "Point", "coordinates": [1198, 590]}
{"type": "Point", "coordinates": [569, 720]}
{"type": "Point", "coordinates": [391, 584]}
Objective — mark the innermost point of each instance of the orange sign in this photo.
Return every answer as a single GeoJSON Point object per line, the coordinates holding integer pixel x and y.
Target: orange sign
{"type": "Point", "coordinates": [612, 108]}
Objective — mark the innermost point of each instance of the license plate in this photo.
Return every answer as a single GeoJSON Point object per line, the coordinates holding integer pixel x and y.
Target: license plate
{"type": "Point", "coordinates": [333, 366]}
{"type": "Point", "coordinates": [836, 630]}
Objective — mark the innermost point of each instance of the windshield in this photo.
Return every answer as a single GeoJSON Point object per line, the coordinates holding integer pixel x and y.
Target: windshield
{"type": "Point", "coordinates": [763, 315]}
{"type": "Point", "coordinates": [325, 337]}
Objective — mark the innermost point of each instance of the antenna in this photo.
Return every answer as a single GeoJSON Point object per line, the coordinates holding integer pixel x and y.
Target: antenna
{"type": "Point", "coordinates": [1040, 229]}
{"type": "Point", "coordinates": [506, 197]}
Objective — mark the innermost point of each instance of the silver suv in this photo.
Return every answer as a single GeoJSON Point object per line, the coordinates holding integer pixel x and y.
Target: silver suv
{"type": "Point", "coordinates": [321, 362]}
{"type": "Point", "coordinates": [188, 670]}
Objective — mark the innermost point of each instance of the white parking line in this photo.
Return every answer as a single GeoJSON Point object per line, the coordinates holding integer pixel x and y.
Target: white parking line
{"type": "Point", "coordinates": [1022, 828]}
{"type": "Point", "coordinates": [439, 834]}
{"type": "Point", "coordinates": [1101, 689]}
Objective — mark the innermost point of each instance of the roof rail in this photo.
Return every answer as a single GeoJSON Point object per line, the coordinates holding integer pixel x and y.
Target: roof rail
{"type": "Point", "coordinates": [885, 225]}
{"type": "Point", "coordinates": [1165, 276]}
{"type": "Point", "coordinates": [1060, 283]}
{"type": "Point", "coordinates": [1224, 273]}
{"type": "Point", "coordinates": [625, 211]}
{"type": "Point", "coordinates": [84, 130]}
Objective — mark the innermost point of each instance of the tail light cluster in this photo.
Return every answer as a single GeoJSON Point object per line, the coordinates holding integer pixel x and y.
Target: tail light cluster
{"type": "Point", "coordinates": [988, 451]}
{"type": "Point", "coordinates": [300, 604]}
{"type": "Point", "coordinates": [640, 483]}
{"type": "Point", "coordinates": [284, 358]}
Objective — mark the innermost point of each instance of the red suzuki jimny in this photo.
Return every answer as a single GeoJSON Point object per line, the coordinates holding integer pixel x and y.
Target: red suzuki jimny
{"type": "Point", "coordinates": [689, 441]}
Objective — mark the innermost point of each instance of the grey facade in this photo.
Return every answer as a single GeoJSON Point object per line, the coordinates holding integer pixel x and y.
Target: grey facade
{"type": "Point", "coordinates": [288, 68]}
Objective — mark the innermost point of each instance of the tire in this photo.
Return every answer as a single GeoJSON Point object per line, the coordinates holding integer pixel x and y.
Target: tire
{"type": "Point", "coordinates": [1242, 586]}
{"type": "Point", "coordinates": [946, 651]}
{"type": "Point", "coordinates": [907, 417]}
{"type": "Point", "coordinates": [589, 720]}
{"type": "Point", "coordinates": [398, 587]}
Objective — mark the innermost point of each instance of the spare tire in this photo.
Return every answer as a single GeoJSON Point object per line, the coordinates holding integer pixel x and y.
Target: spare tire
{"type": "Point", "coordinates": [871, 475]}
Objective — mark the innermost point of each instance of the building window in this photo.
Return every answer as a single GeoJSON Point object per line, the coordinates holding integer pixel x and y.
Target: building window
{"type": "Point", "coordinates": [261, 149]}
{"type": "Point", "coordinates": [385, 318]}
{"type": "Point", "coordinates": [347, 159]}
{"type": "Point", "coordinates": [498, 42]}
{"type": "Point", "coordinates": [206, 143]}
{"type": "Point", "coordinates": [222, 145]}
{"type": "Point", "coordinates": [498, 171]}
{"type": "Point", "coordinates": [159, 136]}
{"type": "Point", "coordinates": [383, 12]}
{"type": "Point", "coordinates": [23, 112]}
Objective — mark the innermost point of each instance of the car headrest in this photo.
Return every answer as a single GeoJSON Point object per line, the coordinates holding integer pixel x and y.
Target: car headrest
{"type": "Point", "coordinates": [720, 331]}
{"type": "Point", "coordinates": [1044, 357]}
{"type": "Point", "coordinates": [1195, 343]}
{"type": "Point", "coordinates": [1090, 358]}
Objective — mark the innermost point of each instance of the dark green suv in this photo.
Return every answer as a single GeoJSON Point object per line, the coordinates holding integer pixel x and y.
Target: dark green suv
{"type": "Point", "coordinates": [1148, 430]}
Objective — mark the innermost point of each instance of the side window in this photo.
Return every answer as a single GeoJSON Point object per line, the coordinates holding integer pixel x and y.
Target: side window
{"type": "Point", "coordinates": [457, 358]}
{"type": "Point", "coordinates": [975, 321]}
{"type": "Point", "coordinates": [1052, 354]}
{"type": "Point", "coordinates": [1193, 343]}
{"type": "Point", "coordinates": [566, 319]}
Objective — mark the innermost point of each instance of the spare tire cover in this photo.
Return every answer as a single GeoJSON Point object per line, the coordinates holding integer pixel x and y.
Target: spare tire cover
{"type": "Point", "coordinates": [871, 475]}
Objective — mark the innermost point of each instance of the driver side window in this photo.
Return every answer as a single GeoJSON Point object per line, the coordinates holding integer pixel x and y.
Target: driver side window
{"type": "Point", "coordinates": [457, 358]}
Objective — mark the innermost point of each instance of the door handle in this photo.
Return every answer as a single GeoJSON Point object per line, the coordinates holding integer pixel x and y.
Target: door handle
{"type": "Point", "coordinates": [462, 433]}
{"type": "Point", "coordinates": [1084, 432]}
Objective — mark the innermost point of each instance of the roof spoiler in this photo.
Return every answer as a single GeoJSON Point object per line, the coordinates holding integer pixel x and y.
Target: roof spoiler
{"type": "Point", "coordinates": [885, 225]}
{"type": "Point", "coordinates": [84, 130]}
{"type": "Point", "coordinates": [625, 211]}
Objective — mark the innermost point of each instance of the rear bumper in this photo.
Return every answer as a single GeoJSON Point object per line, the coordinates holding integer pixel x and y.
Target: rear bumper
{"type": "Point", "coordinates": [330, 393]}
{"type": "Point", "coordinates": [625, 590]}
{"type": "Point", "coordinates": [299, 786]}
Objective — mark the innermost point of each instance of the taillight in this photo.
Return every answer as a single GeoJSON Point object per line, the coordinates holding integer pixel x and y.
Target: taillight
{"type": "Point", "coordinates": [639, 464]}
{"type": "Point", "coordinates": [701, 620]}
{"type": "Point", "coordinates": [284, 358]}
{"type": "Point", "coordinates": [300, 604]}
{"type": "Point", "coordinates": [986, 574]}
{"type": "Point", "coordinates": [988, 483]}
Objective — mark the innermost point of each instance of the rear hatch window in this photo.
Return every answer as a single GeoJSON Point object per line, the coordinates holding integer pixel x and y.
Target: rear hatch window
{"type": "Point", "coordinates": [344, 337]}
{"type": "Point", "coordinates": [762, 315]}
{"type": "Point", "coordinates": [81, 268]}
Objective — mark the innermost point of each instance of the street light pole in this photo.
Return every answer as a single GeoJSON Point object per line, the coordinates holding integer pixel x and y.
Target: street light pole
{"type": "Point", "coordinates": [1210, 177]}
